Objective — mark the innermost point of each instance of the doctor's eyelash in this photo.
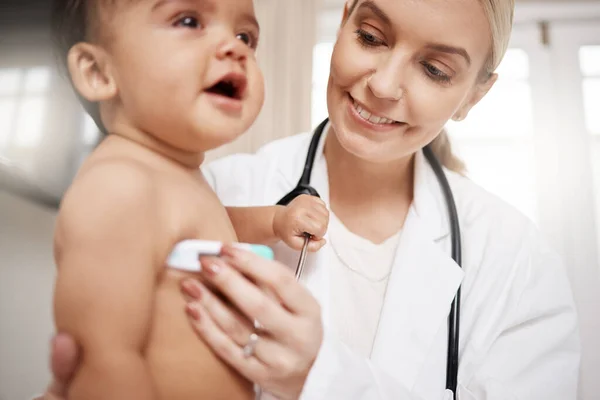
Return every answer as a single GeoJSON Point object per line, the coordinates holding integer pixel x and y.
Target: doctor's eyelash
{"type": "Point", "coordinates": [367, 39]}
{"type": "Point", "coordinates": [434, 73]}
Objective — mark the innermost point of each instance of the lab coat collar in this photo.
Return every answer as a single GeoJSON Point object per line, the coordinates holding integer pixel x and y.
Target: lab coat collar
{"type": "Point", "coordinates": [429, 203]}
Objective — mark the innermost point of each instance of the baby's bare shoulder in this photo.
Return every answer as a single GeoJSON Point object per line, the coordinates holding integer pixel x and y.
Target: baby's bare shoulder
{"type": "Point", "coordinates": [109, 196]}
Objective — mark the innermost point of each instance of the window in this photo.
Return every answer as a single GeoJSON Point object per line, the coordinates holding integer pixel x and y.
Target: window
{"type": "Point", "coordinates": [589, 61]}
{"type": "Point", "coordinates": [496, 140]}
{"type": "Point", "coordinates": [321, 61]}
{"type": "Point", "coordinates": [23, 101]}
{"type": "Point", "coordinates": [589, 58]}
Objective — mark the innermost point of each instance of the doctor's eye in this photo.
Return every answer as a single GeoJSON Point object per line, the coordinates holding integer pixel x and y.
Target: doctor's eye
{"type": "Point", "coordinates": [187, 21]}
{"type": "Point", "coordinates": [435, 73]}
{"type": "Point", "coordinates": [368, 39]}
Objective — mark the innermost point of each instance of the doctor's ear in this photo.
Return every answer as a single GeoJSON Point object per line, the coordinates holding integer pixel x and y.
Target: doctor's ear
{"type": "Point", "coordinates": [479, 91]}
{"type": "Point", "coordinates": [91, 72]}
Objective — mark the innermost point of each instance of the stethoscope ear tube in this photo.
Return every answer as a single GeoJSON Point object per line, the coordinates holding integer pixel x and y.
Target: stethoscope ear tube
{"type": "Point", "coordinates": [454, 317]}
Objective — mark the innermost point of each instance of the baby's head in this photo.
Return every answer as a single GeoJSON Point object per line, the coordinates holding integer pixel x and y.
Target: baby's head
{"type": "Point", "coordinates": [182, 72]}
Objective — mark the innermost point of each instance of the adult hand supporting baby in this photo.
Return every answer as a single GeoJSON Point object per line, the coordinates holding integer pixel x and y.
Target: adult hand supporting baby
{"type": "Point", "coordinates": [279, 355]}
{"type": "Point", "coordinates": [289, 338]}
{"type": "Point", "coordinates": [64, 363]}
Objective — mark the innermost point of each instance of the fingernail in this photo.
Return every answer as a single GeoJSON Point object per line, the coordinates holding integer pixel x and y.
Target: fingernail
{"type": "Point", "coordinates": [192, 312]}
{"type": "Point", "coordinates": [229, 250]}
{"type": "Point", "coordinates": [192, 288]}
{"type": "Point", "coordinates": [210, 267]}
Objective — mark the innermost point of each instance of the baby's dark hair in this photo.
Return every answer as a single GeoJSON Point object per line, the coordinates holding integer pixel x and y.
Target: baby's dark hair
{"type": "Point", "coordinates": [75, 21]}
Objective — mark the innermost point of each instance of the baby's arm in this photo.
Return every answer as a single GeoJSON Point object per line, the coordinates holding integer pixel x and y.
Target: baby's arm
{"type": "Point", "coordinates": [106, 276]}
{"type": "Point", "coordinates": [269, 224]}
{"type": "Point", "coordinates": [254, 224]}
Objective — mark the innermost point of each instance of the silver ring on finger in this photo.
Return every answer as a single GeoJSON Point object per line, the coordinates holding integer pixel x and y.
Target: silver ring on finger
{"type": "Point", "coordinates": [249, 348]}
{"type": "Point", "coordinates": [257, 326]}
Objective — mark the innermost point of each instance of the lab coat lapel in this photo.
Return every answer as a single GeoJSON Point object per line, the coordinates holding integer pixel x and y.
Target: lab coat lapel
{"type": "Point", "coordinates": [422, 284]}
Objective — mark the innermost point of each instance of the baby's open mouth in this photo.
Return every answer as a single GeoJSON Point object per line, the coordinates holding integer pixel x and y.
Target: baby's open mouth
{"type": "Point", "coordinates": [231, 86]}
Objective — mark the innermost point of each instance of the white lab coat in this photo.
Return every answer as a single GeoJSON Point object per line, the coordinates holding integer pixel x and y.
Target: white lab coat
{"type": "Point", "coordinates": [518, 333]}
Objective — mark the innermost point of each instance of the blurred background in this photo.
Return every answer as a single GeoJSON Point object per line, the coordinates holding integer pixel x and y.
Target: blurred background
{"type": "Point", "coordinates": [534, 141]}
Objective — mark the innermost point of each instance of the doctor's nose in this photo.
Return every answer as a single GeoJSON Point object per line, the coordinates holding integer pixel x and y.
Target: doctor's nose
{"type": "Point", "coordinates": [387, 82]}
{"type": "Point", "coordinates": [233, 48]}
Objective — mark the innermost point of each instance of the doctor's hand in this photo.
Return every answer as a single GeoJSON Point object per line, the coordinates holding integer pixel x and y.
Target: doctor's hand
{"type": "Point", "coordinates": [305, 214]}
{"type": "Point", "coordinates": [64, 362]}
{"type": "Point", "coordinates": [273, 335]}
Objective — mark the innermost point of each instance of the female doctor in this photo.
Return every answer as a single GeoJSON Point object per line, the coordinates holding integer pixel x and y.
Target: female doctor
{"type": "Point", "coordinates": [385, 280]}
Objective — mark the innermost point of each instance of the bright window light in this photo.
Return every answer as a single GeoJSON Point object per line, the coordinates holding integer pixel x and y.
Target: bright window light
{"type": "Point", "coordinates": [30, 121]}
{"type": "Point", "coordinates": [10, 81]}
{"type": "Point", "coordinates": [37, 80]}
{"type": "Point", "coordinates": [495, 140]}
{"type": "Point", "coordinates": [589, 59]}
{"type": "Point", "coordinates": [321, 61]}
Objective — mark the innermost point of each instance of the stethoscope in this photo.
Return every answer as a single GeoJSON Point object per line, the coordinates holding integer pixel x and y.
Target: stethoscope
{"type": "Point", "coordinates": [304, 187]}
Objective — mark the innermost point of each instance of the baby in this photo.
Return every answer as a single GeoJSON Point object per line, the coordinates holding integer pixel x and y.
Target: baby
{"type": "Point", "coordinates": [167, 80]}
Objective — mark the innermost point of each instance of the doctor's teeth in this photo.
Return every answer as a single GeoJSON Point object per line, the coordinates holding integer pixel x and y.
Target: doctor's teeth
{"type": "Point", "coordinates": [374, 119]}
{"type": "Point", "coordinates": [371, 117]}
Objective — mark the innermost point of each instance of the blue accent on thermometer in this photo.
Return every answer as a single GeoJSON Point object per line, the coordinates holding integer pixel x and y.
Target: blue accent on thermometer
{"type": "Point", "coordinates": [186, 254]}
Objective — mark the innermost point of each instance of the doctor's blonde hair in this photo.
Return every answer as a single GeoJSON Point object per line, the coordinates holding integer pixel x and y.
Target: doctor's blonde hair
{"type": "Point", "coordinates": [499, 14]}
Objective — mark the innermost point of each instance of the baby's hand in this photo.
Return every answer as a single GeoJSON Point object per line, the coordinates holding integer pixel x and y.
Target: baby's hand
{"type": "Point", "coordinates": [305, 214]}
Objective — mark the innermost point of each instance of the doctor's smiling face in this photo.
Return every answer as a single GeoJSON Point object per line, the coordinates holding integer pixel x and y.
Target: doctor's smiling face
{"type": "Point", "coordinates": [402, 68]}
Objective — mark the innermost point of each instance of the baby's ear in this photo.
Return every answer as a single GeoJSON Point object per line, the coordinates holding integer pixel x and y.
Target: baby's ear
{"type": "Point", "coordinates": [91, 72]}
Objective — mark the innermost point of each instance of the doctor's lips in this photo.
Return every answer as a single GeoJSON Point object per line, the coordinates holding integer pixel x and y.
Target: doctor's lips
{"type": "Point", "coordinates": [232, 86]}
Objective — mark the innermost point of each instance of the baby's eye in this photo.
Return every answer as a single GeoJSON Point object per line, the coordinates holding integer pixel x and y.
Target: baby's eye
{"type": "Point", "coordinates": [188, 22]}
{"type": "Point", "coordinates": [244, 37]}
{"type": "Point", "coordinates": [248, 39]}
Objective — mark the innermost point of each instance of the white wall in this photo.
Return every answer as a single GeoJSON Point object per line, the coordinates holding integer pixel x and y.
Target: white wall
{"type": "Point", "coordinates": [26, 284]}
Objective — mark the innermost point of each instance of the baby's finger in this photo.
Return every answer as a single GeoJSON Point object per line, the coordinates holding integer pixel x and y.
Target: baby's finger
{"type": "Point", "coordinates": [318, 201]}
{"type": "Point", "coordinates": [322, 208]}
{"type": "Point", "coordinates": [316, 245]}
{"type": "Point", "coordinates": [295, 242]}
{"type": "Point", "coordinates": [307, 226]}
{"type": "Point", "coordinates": [314, 225]}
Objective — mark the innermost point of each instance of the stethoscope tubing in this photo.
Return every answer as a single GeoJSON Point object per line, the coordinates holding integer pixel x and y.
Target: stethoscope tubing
{"type": "Point", "coordinates": [303, 187]}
